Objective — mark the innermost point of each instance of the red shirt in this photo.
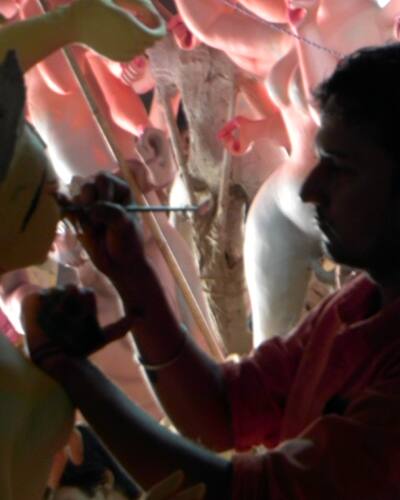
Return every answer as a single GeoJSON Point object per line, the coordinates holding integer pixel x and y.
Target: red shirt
{"type": "Point", "coordinates": [325, 401]}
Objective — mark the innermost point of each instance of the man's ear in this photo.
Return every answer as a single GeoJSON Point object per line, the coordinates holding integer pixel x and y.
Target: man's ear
{"type": "Point", "coordinates": [12, 102]}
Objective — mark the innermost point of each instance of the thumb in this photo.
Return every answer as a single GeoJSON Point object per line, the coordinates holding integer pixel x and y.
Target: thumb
{"type": "Point", "coordinates": [196, 492]}
{"type": "Point", "coordinates": [167, 487]}
{"type": "Point", "coordinates": [117, 330]}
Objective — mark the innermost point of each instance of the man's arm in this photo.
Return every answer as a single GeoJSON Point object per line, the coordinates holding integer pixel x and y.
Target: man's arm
{"type": "Point", "coordinates": [191, 389]}
{"type": "Point", "coordinates": [146, 450]}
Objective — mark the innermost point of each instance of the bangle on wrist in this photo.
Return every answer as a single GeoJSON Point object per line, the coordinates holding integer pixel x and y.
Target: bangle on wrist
{"type": "Point", "coordinates": [173, 359]}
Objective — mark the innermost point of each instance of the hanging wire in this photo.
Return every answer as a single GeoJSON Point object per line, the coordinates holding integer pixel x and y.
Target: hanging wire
{"type": "Point", "coordinates": [282, 28]}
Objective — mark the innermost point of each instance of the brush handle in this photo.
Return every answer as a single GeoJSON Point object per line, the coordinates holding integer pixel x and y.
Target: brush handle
{"type": "Point", "coordinates": [141, 208]}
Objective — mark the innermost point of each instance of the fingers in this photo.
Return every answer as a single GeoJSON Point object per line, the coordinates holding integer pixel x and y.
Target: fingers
{"type": "Point", "coordinates": [134, 70]}
{"type": "Point", "coordinates": [109, 214]}
{"type": "Point", "coordinates": [75, 448]}
{"type": "Point", "coordinates": [66, 321]}
{"type": "Point", "coordinates": [113, 225]}
{"type": "Point", "coordinates": [30, 308]}
{"type": "Point", "coordinates": [299, 10]}
{"type": "Point", "coordinates": [230, 135]}
{"type": "Point", "coordinates": [104, 187]}
{"type": "Point", "coordinates": [70, 301]}
{"type": "Point", "coordinates": [112, 237]}
{"type": "Point", "coordinates": [175, 21]}
{"type": "Point", "coordinates": [164, 489]}
{"type": "Point", "coordinates": [296, 15]}
{"type": "Point", "coordinates": [143, 175]}
{"type": "Point", "coordinates": [170, 489]}
{"type": "Point", "coordinates": [68, 318]}
{"type": "Point", "coordinates": [59, 462]}
{"type": "Point", "coordinates": [152, 143]}
{"type": "Point", "coordinates": [196, 492]}
{"type": "Point", "coordinates": [228, 129]}
{"type": "Point", "coordinates": [182, 35]}
{"type": "Point", "coordinates": [74, 451]}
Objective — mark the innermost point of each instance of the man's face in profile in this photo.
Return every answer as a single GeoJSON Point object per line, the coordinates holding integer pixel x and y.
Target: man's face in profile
{"type": "Point", "coordinates": [351, 187]}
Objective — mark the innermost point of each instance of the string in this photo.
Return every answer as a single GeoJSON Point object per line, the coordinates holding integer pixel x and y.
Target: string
{"type": "Point", "coordinates": [282, 28]}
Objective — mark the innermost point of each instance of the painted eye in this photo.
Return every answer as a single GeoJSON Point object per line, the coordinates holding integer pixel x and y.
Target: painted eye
{"type": "Point", "coordinates": [34, 203]}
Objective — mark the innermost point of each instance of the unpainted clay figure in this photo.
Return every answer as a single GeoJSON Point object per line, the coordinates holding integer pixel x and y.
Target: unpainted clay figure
{"type": "Point", "coordinates": [278, 266]}
{"type": "Point", "coordinates": [56, 102]}
{"type": "Point", "coordinates": [242, 38]}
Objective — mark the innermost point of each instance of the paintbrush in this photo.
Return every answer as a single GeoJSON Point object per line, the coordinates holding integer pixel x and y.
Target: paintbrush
{"type": "Point", "coordinates": [71, 209]}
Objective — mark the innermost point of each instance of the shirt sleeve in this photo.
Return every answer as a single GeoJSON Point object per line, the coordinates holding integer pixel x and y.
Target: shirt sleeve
{"type": "Point", "coordinates": [258, 386]}
{"type": "Point", "coordinates": [350, 457]}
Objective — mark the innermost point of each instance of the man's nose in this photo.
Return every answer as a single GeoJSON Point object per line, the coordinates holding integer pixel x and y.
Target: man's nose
{"type": "Point", "coordinates": [314, 187]}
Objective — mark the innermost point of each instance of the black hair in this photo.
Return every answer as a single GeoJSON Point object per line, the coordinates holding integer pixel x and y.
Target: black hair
{"type": "Point", "coordinates": [91, 473]}
{"type": "Point", "coordinates": [365, 90]}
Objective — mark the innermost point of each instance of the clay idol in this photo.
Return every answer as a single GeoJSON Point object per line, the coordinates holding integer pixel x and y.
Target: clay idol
{"type": "Point", "coordinates": [28, 209]}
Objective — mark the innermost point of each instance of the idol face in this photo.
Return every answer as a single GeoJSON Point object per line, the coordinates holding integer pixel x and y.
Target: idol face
{"type": "Point", "coordinates": [352, 189]}
{"type": "Point", "coordinates": [29, 212]}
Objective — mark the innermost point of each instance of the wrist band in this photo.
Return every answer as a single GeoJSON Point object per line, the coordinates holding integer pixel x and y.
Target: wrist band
{"type": "Point", "coordinates": [161, 366]}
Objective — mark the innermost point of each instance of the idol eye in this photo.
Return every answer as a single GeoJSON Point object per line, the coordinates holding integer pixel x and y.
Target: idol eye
{"type": "Point", "coordinates": [34, 202]}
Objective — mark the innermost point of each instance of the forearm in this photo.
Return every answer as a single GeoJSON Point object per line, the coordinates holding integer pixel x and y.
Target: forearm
{"type": "Point", "coordinates": [143, 10]}
{"type": "Point", "coordinates": [191, 389]}
{"type": "Point", "coordinates": [147, 451]}
{"type": "Point", "coordinates": [36, 38]}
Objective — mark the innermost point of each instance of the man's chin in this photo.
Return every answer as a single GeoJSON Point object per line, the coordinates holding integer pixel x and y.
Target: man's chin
{"type": "Point", "coordinates": [336, 254]}
{"type": "Point", "coordinates": [344, 258]}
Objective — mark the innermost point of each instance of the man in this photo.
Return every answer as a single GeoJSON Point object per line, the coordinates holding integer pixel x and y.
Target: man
{"type": "Point", "coordinates": [325, 400]}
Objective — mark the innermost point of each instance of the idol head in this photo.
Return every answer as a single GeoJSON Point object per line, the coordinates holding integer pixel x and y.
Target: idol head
{"type": "Point", "coordinates": [29, 211]}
